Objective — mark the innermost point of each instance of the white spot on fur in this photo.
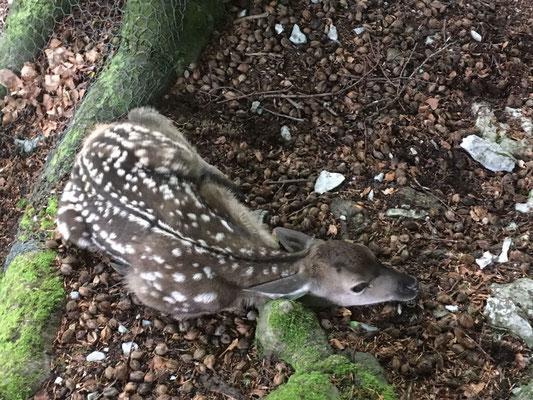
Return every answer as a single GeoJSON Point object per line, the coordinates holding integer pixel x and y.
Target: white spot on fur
{"type": "Point", "coordinates": [207, 297]}
{"type": "Point", "coordinates": [178, 296]}
{"type": "Point", "coordinates": [150, 276]}
{"type": "Point", "coordinates": [208, 272]}
{"type": "Point", "coordinates": [219, 237]}
{"type": "Point", "coordinates": [158, 259]}
{"type": "Point", "coordinates": [197, 276]}
{"type": "Point", "coordinates": [226, 225]}
{"type": "Point", "coordinates": [178, 277]}
{"type": "Point", "coordinates": [177, 252]}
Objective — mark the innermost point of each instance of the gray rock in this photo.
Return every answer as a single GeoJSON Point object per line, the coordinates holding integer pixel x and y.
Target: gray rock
{"type": "Point", "coordinates": [418, 199]}
{"type": "Point", "coordinates": [510, 306]}
{"type": "Point", "coordinates": [523, 392]}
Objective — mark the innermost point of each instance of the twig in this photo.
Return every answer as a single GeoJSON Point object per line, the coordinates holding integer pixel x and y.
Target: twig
{"type": "Point", "coordinates": [408, 59]}
{"type": "Point", "coordinates": [284, 181]}
{"type": "Point", "coordinates": [259, 54]}
{"type": "Point", "coordinates": [247, 95]}
{"type": "Point", "coordinates": [404, 86]}
{"type": "Point", "coordinates": [295, 104]}
{"type": "Point", "coordinates": [426, 189]}
{"type": "Point", "coordinates": [282, 115]}
{"type": "Point", "coordinates": [380, 66]}
{"type": "Point", "coordinates": [251, 17]}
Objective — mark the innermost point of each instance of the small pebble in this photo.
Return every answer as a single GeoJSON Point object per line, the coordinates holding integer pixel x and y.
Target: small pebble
{"type": "Point", "coordinates": [476, 36]}
{"type": "Point", "coordinates": [297, 36]}
{"type": "Point", "coordinates": [128, 347]}
{"type": "Point", "coordinates": [161, 349]}
{"type": "Point", "coordinates": [95, 356]}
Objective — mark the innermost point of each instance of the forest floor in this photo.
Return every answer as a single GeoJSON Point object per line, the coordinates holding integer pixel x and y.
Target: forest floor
{"type": "Point", "coordinates": [387, 105]}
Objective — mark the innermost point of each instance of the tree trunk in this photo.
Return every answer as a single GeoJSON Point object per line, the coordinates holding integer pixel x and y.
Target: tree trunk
{"type": "Point", "coordinates": [28, 26]}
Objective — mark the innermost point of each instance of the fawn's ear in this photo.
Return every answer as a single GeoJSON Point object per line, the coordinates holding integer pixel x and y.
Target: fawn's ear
{"type": "Point", "coordinates": [292, 241]}
{"type": "Point", "coordinates": [291, 287]}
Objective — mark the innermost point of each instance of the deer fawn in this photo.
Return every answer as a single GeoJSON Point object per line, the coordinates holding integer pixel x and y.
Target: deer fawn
{"type": "Point", "coordinates": [141, 194]}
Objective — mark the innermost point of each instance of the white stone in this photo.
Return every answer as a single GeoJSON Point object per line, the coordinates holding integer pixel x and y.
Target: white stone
{"type": "Point", "coordinates": [333, 35]}
{"type": "Point", "coordinates": [128, 347]}
{"type": "Point", "coordinates": [95, 356]}
{"type": "Point", "coordinates": [74, 295]}
{"type": "Point", "coordinates": [452, 308]}
{"type": "Point", "coordinates": [359, 30]}
{"type": "Point", "coordinates": [489, 154]}
{"type": "Point", "coordinates": [297, 36]}
{"type": "Point", "coordinates": [486, 259]}
{"type": "Point", "coordinates": [327, 181]}
{"type": "Point", "coordinates": [526, 207]}
{"type": "Point", "coordinates": [279, 28]}
{"type": "Point", "coordinates": [122, 329]}
{"type": "Point", "coordinates": [510, 306]}
{"type": "Point", "coordinates": [476, 36]}
{"type": "Point", "coordinates": [503, 257]}
{"type": "Point", "coordinates": [285, 133]}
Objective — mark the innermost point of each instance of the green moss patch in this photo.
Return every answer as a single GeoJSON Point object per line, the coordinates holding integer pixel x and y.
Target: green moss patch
{"type": "Point", "coordinates": [30, 292]}
{"type": "Point", "coordinates": [354, 380]}
{"type": "Point", "coordinates": [33, 222]}
{"type": "Point", "coordinates": [293, 333]}
{"type": "Point", "coordinates": [306, 386]}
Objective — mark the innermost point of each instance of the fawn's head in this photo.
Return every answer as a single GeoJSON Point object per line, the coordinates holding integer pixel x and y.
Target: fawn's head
{"type": "Point", "coordinates": [343, 273]}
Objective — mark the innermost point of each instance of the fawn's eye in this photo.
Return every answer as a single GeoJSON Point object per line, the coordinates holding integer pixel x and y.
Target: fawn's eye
{"type": "Point", "coordinates": [359, 287]}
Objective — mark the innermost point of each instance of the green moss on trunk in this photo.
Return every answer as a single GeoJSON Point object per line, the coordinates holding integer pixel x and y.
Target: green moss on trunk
{"type": "Point", "coordinates": [28, 26]}
{"type": "Point", "coordinates": [158, 40]}
{"type": "Point", "coordinates": [293, 333]}
{"type": "Point", "coordinates": [29, 293]}
{"type": "Point", "coordinates": [40, 224]}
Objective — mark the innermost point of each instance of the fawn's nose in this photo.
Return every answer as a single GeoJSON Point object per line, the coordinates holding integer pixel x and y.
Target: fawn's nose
{"type": "Point", "coordinates": [408, 284]}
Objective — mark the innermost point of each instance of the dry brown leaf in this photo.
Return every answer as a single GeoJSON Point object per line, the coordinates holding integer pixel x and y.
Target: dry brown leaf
{"type": "Point", "coordinates": [477, 213]}
{"type": "Point", "coordinates": [433, 103]}
{"type": "Point", "coordinates": [520, 360]}
{"type": "Point", "coordinates": [209, 361]}
{"type": "Point", "coordinates": [336, 343]}
{"type": "Point", "coordinates": [52, 82]}
{"type": "Point", "coordinates": [258, 155]}
{"type": "Point", "coordinates": [365, 191]}
{"type": "Point", "coordinates": [92, 56]}
{"type": "Point", "coordinates": [10, 80]}
{"type": "Point", "coordinates": [390, 176]}
{"type": "Point", "coordinates": [55, 43]}
{"type": "Point", "coordinates": [332, 230]}
{"type": "Point", "coordinates": [28, 72]}
{"type": "Point", "coordinates": [472, 390]}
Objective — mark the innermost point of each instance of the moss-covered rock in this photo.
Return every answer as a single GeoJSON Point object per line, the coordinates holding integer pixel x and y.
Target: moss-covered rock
{"type": "Point", "coordinates": [30, 292]}
{"type": "Point", "coordinates": [291, 332]}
